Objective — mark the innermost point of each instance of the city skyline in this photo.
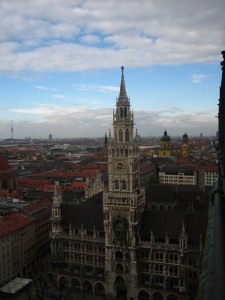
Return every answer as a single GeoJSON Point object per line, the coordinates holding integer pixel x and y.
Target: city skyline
{"type": "Point", "coordinates": [60, 69]}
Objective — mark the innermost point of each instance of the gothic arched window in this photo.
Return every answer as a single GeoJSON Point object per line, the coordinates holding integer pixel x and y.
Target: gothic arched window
{"type": "Point", "coordinates": [116, 184]}
{"type": "Point", "coordinates": [119, 255]}
{"type": "Point", "coordinates": [124, 185]}
{"type": "Point", "coordinates": [127, 135]}
{"type": "Point", "coordinates": [119, 268]}
{"type": "Point", "coordinates": [125, 112]}
{"type": "Point", "coordinates": [121, 112]}
{"type": "Point", "coordinates": [121, 152]}
{"type": "Point", "coordinates": [120, 135]}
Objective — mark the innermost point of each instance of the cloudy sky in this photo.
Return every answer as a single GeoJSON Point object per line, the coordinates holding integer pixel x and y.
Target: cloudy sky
{"type": "Point", "coordinates": [60, 65]}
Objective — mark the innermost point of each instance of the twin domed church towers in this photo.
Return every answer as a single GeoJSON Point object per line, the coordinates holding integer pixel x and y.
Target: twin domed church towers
{"type": "Point", "coordinates": [123, 201]}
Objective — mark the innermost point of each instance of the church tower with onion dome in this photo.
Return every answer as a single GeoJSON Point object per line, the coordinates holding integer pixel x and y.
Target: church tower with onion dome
{"type": "Point", "coordinates": [165, 142]}
{"type": "Point", "coordinates": [185, 153]}
{"type": "Point", "coordinates": [123, 201]}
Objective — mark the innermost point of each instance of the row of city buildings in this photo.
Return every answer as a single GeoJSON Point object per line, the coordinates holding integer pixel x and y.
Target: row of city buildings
{"type": "Point", "coordinates": [24, 238]}
{"type": "Point", "coordinates": [109, 230]}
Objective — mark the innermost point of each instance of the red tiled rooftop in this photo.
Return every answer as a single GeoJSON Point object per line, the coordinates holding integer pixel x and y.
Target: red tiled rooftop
{"type": "Point", "coordinates": [183, 162]}
{"type": "Point", "coordinates": [30, 181]}
{"type": "Point", "coordinates": [208, 168]}
{"type": "Point", "coordinates": [4, 165]}
{"type": "Point", "coordinates": [145, 166]}
{"type": "Point", "coordinates": [47, 202]}
{"type": "Point", "coordinates": [100, 154]}
{"type": "Point", "coordinates": [86, 166]}
{"type": "Point", "coordinates": [6, 194]}
{"type": "Point", "coordinates": [102, 167]}
{"type": "Point", "coordinates": [13, 222]}
{"type": "Point", "coordinates": [78, 184]}
{"type": "Point", "coordinates": [65, 174]}
{"type": "Point", "coordinates": [37, 205]}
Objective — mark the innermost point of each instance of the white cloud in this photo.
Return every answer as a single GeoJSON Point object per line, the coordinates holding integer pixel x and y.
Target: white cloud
{"type": "Point", "coordinates": [197, 78]}
{"type": "Point", "coordinates": [48, 33]}
{"type": "Point", "coordinates": [42, 87]}
{"type": "Point", "coordinates": [90, 39]}
{"type": "Point", "coordinates": [109, 88]}
{"type": "Point", "coordinates": [99, 88]}
{"type": "Point", "coordinates": [46, 110]}
{"type": "Point", "coordinates": [72, 36]}
{"type": "Point", "coordinates": [81, 121]}
{"type": "Point", "coordinates": [57, 96]}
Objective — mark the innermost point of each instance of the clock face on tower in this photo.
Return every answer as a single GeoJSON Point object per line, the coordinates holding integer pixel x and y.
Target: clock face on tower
{"type": "Point", "coordinates": [120, 166]}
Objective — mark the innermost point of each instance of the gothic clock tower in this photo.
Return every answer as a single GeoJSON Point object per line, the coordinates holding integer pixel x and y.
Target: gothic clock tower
{"type": "Point", "coordinates": [123, 201]}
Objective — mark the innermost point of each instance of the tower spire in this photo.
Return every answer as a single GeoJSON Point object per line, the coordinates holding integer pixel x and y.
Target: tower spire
{"type": "Point", "coordinates": [123, 94]}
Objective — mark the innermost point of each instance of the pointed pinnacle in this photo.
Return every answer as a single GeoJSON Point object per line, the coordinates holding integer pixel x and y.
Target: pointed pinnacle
{"type": "Point", "coordinates": [123, 93]}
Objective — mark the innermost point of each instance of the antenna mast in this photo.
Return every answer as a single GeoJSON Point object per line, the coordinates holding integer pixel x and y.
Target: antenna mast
{"type": "Point", "coordinates": [12, 130]}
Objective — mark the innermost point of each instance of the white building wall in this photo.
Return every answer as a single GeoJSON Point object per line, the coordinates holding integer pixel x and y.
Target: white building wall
{"type": "Point", "coordinates": [211, 178]}
{"type": "Point", "coordinates": [179, 178]}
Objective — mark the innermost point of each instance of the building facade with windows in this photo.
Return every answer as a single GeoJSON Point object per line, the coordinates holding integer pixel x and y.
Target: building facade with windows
{"type": "Point", "coordinates": [189, 174]}
{"type": "Point", "coordinates": [176, 174]}
{"type": "Point", "coordinates": [17, 245]}
{"type": "Point", "coordinates": [128, 242]}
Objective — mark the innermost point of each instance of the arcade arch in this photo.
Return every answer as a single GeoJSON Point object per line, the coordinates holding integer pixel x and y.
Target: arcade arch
{"type": "Point", "coordinates": [157, 296]}
{"type": "Point", "coordinates": [99, 289]}
{"type": "Point", "coordinates": [63, 281]}
{"type": "Point", "coordinates": [75, 284]}
{"type": "Point", "coordinates": [120, 288]}
{"type": "Point", "coordinates": [87, 287]}
{"type": "Point", "coordinates": [143, 295]}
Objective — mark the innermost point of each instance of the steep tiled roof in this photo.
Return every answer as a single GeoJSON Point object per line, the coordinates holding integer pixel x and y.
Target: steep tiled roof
{"type": "Point", "coordinates": [196, 226]}
{"type": "Point", "coordinates": [160, 193]}
{"type": "Point", "coordinates": [38, 206]}
{"type": "Point", "coordinates": [175, 169]}
{"type": "Point", "coordinates": [4, 165]}
{"type": "Point", "coordinates": [65, 174]}
{"type": "Point", "coordinates": [161, 223]}
{"type": "Point", "coordinates": [89, 214]}
{"type": "Point", "coordinates": [13, 222]}
{"type": "Point", "coordinates": [191, 208]}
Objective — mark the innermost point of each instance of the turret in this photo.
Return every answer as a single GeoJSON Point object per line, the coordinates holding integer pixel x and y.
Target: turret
{"type": "Point", "coordinates": [185, 152]}
{"type": "Point", "coordinates": [105, 146]}
{"type": "Point", "coordinates": [201, 174]}
{"type": "Point", "coordinates": [56, 216]}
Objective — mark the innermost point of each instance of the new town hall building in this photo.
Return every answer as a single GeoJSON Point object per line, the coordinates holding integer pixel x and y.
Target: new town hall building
{"type": "Point", "coordinates": [130, 242]}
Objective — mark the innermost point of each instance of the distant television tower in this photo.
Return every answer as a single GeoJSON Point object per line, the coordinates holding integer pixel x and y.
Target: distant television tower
{"type": "Point", "coordinates": [12, 130]}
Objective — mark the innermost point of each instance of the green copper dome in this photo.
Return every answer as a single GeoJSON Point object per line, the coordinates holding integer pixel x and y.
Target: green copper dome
{"type": "Point", "coordinates": [165, 137]}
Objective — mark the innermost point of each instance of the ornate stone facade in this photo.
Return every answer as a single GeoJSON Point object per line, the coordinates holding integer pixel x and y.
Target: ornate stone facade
{"type": "Point", "coordinates": [123, 242]}
{"type": "Point", "coordinates": [123, 201]}
{"type": "Point", "coordinates": [94, 185]}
